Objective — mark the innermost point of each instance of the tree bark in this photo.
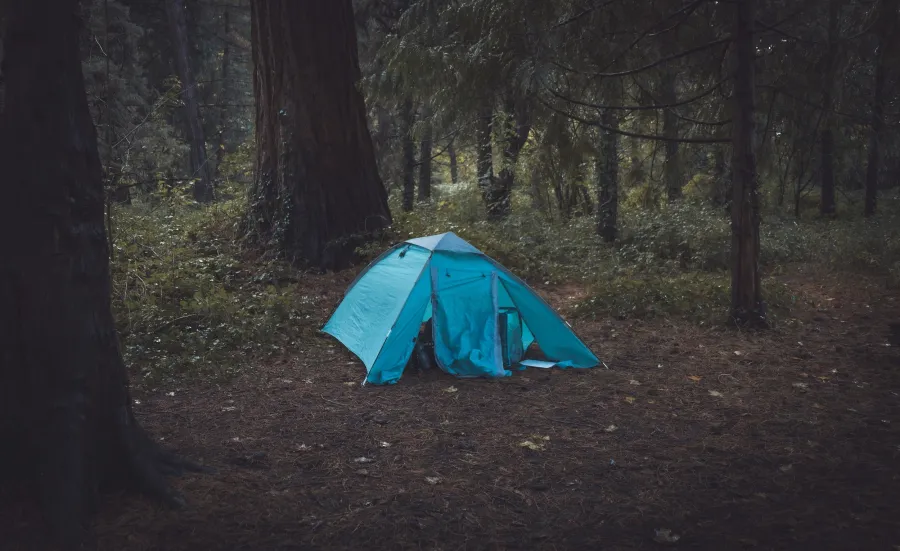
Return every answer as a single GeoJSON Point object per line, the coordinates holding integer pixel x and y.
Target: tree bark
{"type": "Point", "coordinates": [454, 162]}
{"type": "Point", "coordinates": [224, 92]}
{"type": "Point", "coordinates": [200, 170]}
{"type": "Point", "coordinates": [516, 134]}
{"type": "Point", "coordinates": [827, 205]}
{"type": "Point", "coordinates": [672, 170]}
{"type": "Point", "coordinates": [65, 409]}
{"type": "Point", "coordinates": [608, 179]}
{"type": "Point", "coordinates": [317, 195]}
{"type": "Point", "coordinates": [409, 157]}
{"type": "Point", "coordinates": [425, 147]}
{"type": "Point", "coordinates": [886, 27]}
{"type": "Point", "coordinates": [484, 162]}
{"type": "Point", "coordinates": [747, 307]}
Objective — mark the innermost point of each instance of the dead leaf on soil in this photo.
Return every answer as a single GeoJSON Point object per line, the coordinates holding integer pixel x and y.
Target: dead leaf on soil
{"type": "Point", "coordinates": [629, 399]}
{"type": "Point", "coordinates": [535, 443]}
{"type": "Point", "coordinates": [633, 382]}
{"type": "Point", "coordinates": [451, 389]}
{"type": "Point", "coordinates": [716, 393]}
{"type": "Point", "coordinates": [664, 535]}
{"type": "Point", "coordinates": [695, 378]}
{"type": "Point", "coordinates": [433, 480]}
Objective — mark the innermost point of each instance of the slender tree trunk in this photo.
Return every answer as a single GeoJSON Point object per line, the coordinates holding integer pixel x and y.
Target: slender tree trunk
{"type": "Point", "coordinates": [317, 195]}
{"type": "Point", "coordinates": [746, 297]}
{"type": "Point", "coordinates": [608, 179]}
{"type": "Point", "coordinates": [65, 409]}
{"type": "Point", "coordinates": [200, 170]}
{"type": "Point", "coordinates": [886, 27]}
{"type": "Point", "coordinates": [224, 92]}
{"type": "Point", "coordinates": [425, 147]}
{"type": "Point", "coordinates": [516, 134]}
{"type": "Point", "coordinates": [454, 162]}
{"type": "Point", "coordinates": [672, 171]}
{"type": "Point", "coordinates": [484, 158]}
{"type": "Point", "coordinates": [409, 157]}
{"type": "Point", "coordinates": [827, 205]}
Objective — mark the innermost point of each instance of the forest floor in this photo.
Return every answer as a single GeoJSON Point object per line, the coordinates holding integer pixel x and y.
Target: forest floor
{"type": "Point", "coordinates": [783, 439]}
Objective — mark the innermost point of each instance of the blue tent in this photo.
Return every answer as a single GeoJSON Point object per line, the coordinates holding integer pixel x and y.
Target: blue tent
{"type": "Point", "coordinates": [483, 317]}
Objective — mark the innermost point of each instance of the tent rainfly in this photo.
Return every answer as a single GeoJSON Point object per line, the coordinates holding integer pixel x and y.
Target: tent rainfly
{"type": "Point", "coordinates": [483, 317]}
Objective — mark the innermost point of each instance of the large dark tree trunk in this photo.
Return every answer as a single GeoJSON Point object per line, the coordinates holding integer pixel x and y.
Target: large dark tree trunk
{"type": "Point", "coordinates": [826, 138]}
{"type": "Point", "coordinates": [317, 194]}
{"type": "Point", "coordinates": [484, 157]}
{"type": "Point", "coordinates": [409, 156]}
{"type": "Point", "coordinates": [224, 91]}
{"type": "Point", "coordinates": [425, 147]}
{"type": "Point", "coordinates": [65, 410]}
{"type": "Point", "coordinates": [608, 179]}
{"type": "Point", "coordinates": [516, 134]}
{"type": "Point", "coordinates": [746, 296]}
{"type": "Point", "coordinates": [200, 170]}
{"type": "Point", "coordinates": [887, 17]}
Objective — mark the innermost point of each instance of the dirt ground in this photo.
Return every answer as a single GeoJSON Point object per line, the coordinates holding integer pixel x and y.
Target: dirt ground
{"type": "Point", "coordinates": [692, 438]}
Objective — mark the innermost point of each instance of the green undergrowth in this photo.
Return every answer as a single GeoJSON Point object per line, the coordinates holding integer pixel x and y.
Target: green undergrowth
{"type": "Point", "coordinates": [189, 301]}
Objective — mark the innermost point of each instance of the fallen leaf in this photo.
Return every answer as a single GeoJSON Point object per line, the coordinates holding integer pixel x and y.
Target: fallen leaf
{"type": "Point", "coordinates": [432, 480]}
{"type": "Point", "coordinates": [695, 378]}
{"type": "Point", "coordinates": [451, 389]}
{"type": "Point", "coordinates": [633, 382]}
{"type": "Point", "coordinates": [716, 393]}
{"type": "Point", "coordinates": [350, 383]}
{"type": "Point", "coordinates": [629, 399]}
{"type": "Point", "coordinates": [664, 535]}
{"type": "Point", "coordinates": [738, 353]}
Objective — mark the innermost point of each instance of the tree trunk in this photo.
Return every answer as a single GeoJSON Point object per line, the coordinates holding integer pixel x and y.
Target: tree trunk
{"type": "Point", "coordinates": [317, 195]}
{"type": "Point", "coordinates": [454, 162]}
{"type": "Point", "coordinates": [608, 179]}
{"type": "Point", "coordinates": [876, 132]}
{"type": "Point", "coordinates": [484, 157]}
{"type": "Point", "coordinates": [747, 307]}
{"type": "Point", "coordinates": [672, 171]}
{"type": "Point", "coordinates": [826, 139]}
{"type": "Point", "coordinates": [409, 157]}
{"type": "Point", "coordinates": [516, 134]}
{"type": "Point", "coordinates": [65, 409]}
{"type": "Point", "coordinates": [200, 170]}
{"type": "Point", "coordinates": [224, 92]}
{"type": "Point", "coordinates": [425, 147]}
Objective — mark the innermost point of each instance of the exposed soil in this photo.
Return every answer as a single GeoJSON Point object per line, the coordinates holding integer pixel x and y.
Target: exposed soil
{"type": "Point", "coordinates": [785, 439]}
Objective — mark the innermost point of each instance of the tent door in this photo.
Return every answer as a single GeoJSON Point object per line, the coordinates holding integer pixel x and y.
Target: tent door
{"type": "Point", "coordinates": [465, 322]}
{"type": "Point", "coordinates": [511, 343]}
